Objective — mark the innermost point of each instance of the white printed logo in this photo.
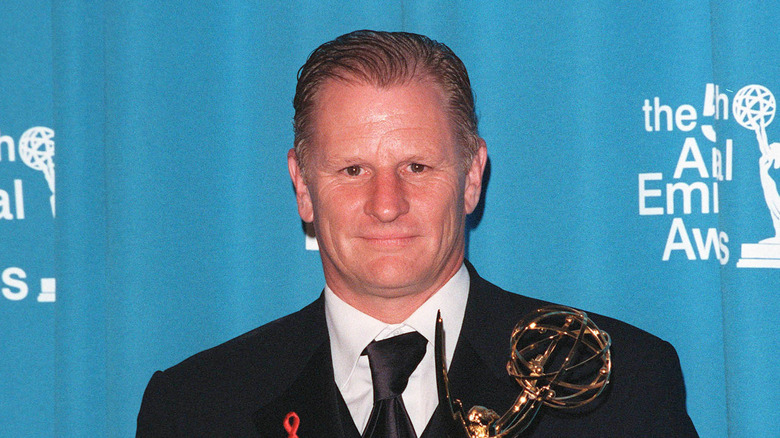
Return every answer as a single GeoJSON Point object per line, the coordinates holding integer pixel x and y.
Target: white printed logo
{"type": "Point", "coordinates": [693, 177]}
{"type": "Point", "coordinates": [754, 108]}
{"type": "Point", "coordinates": [697, 179]}
{"type": "Point", "coordinates": [36, 149]}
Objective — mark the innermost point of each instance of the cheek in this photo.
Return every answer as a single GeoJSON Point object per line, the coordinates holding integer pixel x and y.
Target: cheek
{"type": "Point", "coordinates": [336, 207]}
{"type": "Point", "coordinates": [442, 208]}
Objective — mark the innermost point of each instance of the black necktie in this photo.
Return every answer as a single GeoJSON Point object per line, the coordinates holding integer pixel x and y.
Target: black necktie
{"type": "Point", "coordinates": [392, 361]}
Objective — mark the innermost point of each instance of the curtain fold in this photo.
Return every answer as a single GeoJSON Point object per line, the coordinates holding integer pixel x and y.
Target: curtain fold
{"type": "Point", "coordinates": [81, 340]}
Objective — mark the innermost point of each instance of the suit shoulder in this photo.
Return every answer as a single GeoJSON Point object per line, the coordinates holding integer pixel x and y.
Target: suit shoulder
{"type": "Point", "coordinates": [646, 390]}
{"type": "Point", "coordinates": [522, 305]}
{"type": "Point", "coordinates": [218, 389]}
{"type": "Point", "coordinates": [627, 339]}
{"type": "Point", "coordinates": [277, 345]}
{"type": "Point", "coordinates": [639, 358]}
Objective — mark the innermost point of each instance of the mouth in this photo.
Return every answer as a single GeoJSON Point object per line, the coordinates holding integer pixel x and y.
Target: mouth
{"type": "Point", "coordinates": [389, 241]}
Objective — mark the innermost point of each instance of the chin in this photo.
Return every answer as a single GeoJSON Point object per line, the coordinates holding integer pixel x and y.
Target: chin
{"type": "Point", "coordinates": [394, 272]}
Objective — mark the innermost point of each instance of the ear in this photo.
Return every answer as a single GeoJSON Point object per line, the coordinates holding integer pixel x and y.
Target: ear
{"type": "Point", "coordinates": [474, 178]}
{"type": "Point", "coordinates": [302, 196]}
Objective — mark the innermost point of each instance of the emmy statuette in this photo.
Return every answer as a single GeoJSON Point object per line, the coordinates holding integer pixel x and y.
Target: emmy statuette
{"type": "Point", "coordinates": [558, 356]}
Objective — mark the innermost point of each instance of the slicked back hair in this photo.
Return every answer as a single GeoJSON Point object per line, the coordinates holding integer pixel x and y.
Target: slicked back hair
{"type": "Point", "coordinates": [385, 59]}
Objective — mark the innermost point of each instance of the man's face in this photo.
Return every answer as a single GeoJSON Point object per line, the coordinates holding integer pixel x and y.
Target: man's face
{"type": "Point", "coordinates": [386, 190]}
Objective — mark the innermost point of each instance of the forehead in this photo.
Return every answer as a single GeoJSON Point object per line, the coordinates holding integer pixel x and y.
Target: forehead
{"type": "Point", "coordinates": [354, 109]}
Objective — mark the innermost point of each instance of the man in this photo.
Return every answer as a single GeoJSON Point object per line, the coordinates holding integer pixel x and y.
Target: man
{"type": "Point", "coordinates": [387, 163]}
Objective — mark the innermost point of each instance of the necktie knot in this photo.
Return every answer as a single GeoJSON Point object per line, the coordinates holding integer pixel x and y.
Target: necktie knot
{"type": "Point", "coordinates": [392, 361]}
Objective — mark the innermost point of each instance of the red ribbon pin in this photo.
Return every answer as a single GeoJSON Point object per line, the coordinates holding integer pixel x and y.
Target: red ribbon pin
{"type": "Point", "coordinates": [291, 422]}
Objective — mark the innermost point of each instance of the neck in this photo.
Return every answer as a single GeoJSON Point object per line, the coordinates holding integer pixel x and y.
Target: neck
{"type": "Point", "coordinates": [391, 306]}
{"type": "Point", "coordinates": [388, 310]}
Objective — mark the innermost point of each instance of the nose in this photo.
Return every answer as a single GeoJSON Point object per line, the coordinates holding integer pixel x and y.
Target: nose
{"type": "Point", "coordinates": [387, 198]}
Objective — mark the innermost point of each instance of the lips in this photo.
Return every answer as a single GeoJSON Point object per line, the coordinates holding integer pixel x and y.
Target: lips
{"type": "Point", "coordinates": [389, 240]}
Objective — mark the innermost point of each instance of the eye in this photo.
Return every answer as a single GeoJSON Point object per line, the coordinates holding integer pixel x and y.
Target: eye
{"type": "Point", "coordinates": [353, 170]}
{"type": "Point", "coordinates": [416, 167]}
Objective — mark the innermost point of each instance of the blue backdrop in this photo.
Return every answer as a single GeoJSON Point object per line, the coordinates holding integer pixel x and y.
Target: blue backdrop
{"type": "Point", "coordinates": [623, 180]}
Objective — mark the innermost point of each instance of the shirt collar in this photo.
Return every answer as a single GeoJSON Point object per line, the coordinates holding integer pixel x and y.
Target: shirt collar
{"type": "Point", "coordinates": [350, 330]}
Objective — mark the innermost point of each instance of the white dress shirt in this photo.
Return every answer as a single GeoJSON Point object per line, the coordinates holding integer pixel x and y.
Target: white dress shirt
{"type": "Point", "coordinates": [351, 331]}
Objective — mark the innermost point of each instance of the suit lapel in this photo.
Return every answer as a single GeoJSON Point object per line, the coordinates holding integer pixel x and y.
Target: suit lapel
{"type": "Point", "coordinates": [307, 386]}
{"type": "Point", "coordinates": [478, 373]}
{"type": "Point", "coordinates": [312, 397]}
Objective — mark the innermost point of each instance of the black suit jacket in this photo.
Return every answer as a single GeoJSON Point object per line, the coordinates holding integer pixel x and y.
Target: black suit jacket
{"type": "Point", "coordinates": [246, 386]}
